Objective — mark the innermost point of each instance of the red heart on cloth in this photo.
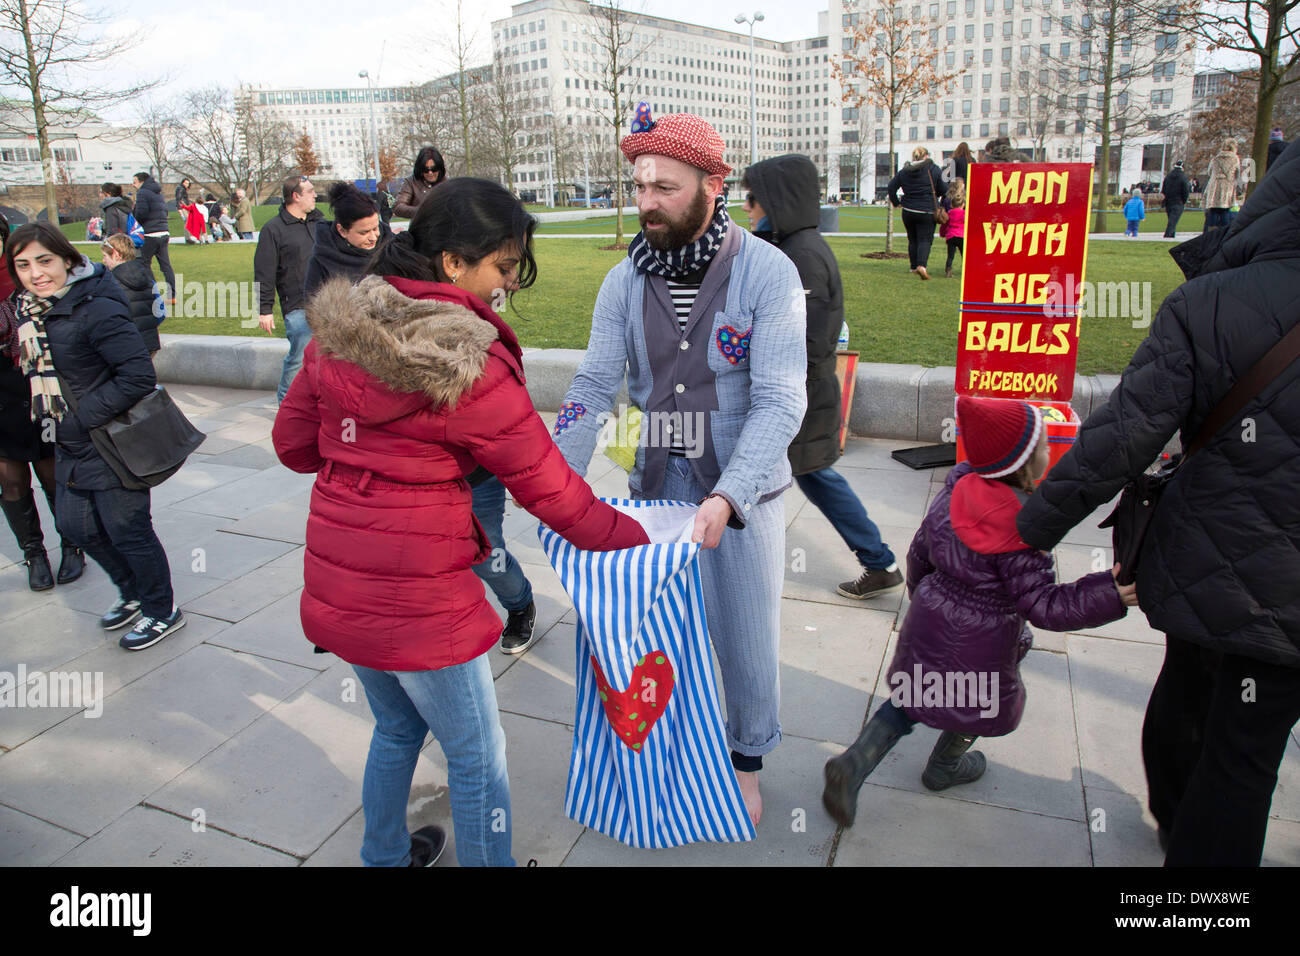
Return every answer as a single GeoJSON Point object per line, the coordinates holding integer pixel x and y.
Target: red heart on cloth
{"type": "Point", "coordinates": [633, 712]}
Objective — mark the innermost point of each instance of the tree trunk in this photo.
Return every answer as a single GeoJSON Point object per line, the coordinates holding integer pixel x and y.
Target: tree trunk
{"type": "Point", "coordinates": [38, 117]}
{"type": "Point", "coordinates": [618, 186]}
{"type": "Point", "coordinates": [1263, 119]}
{"type": "Point", "coordinates": [889, 200]}
{"type": "Point", "coordinates": [1100, 223]}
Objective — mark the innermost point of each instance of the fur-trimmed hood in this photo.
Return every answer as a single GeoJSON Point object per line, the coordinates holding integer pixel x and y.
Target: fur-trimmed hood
{"type": "Point", "coordinates": [432, 349]}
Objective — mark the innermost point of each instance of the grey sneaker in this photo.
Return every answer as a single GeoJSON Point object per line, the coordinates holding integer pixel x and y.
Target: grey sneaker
{"type": "Point", "coordinates": [871, 584]}
{"type": "Point", "coordinates": [122, 612]}
{"type": "Point", "coordinates": [150, 630]}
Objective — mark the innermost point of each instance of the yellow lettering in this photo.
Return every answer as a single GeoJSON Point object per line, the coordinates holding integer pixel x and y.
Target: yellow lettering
{"type": "Point", "coordinates": [1062, 346]}
{"type": "Point", "coordinates": [1055, 242]}
{"type": "Point", "coordinates": [975, 336]}
{"type": "Point", "coordinates": [1018, 382]}
{"type": "Point", "coordinates": [1000, 337]}
{"type": "Point", "coordinates": [1003, 189]}
{"type": "Point", "coordinates": [1018, 344]}
{"type": "Point", "coordinates": [1035, 231]}
{"type": "Point", "coordinates": [1049, 385]}
{"type": "Point", "coordinates": [1033, 190]}
{"type": "Point", "coordinates": [997, 236]}
{"type": "Point", "coordinates": [984, 381]}
{"type": "Point", "coordinates": [1059, 180]}
{"type": "Point", "coordinates": [1036, 289]}
{"type": "Point", "coordinates": [974, 376]}
{"type": "Point", "coordinates": [1003, 289]}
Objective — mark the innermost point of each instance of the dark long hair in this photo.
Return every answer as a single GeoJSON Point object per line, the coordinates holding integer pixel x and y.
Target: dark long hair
{"type": "Point", "coordinates": [471, 218]}
{"type": "Point", "coordinates": [348, 204]}
{"type": "Point", "coordinates": [51, 237]}
{"type": "Point", "coordinates": [423, 157]}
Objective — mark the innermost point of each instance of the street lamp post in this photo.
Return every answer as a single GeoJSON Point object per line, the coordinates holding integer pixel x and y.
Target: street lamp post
{"type": "Point", "coordinates": [374, 138]}
{"type": "Point", "coordinates": [753, 115]}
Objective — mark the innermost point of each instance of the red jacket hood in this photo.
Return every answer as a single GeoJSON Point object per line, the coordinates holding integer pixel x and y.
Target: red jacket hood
{"type": "Point", "coordinates": [403, 344]}
{"type": "Point", "coordinates": [983, 513]}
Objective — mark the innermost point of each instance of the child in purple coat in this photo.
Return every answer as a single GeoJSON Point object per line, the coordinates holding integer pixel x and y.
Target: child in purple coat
{"type": "Point", "coordinates": [973, 585]}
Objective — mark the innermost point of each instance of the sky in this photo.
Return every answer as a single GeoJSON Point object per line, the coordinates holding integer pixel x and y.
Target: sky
{"type": "Point", "coordinates": [326, 42]}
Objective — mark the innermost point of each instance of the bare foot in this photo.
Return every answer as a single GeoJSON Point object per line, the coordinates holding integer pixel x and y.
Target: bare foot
{"type": "Point", "coordinates": [749, 793]}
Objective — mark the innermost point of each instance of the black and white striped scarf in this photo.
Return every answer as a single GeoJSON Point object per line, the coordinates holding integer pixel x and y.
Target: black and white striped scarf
{"type": "Point", "coordinates": [35, 360]}
{"type": "Point", "coordinates": [674, 263]}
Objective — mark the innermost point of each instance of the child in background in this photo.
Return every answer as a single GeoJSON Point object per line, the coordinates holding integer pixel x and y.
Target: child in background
{"type": "Point", "coordinates": [954, 230]}
{"type": "Point", "coordinates": [1135, 210]}
{"type": "Point", "coordinates": [973, 584]}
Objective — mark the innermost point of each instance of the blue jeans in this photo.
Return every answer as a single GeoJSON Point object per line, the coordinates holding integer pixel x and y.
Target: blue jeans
{"type": "Point", "coordinates": [1131, 227]}
{"type": "Point", "coordinates": [833, 497]}
{"type": "Point", "coordinates": [114, 527]}
{"type": "Point", "coordinates": [299, 334]}
{"type": "Point", "coordinates": [1216, 218]}
{"type": "Point", "coordinates": [499, 571]}
{"type": "Point", "coordinates": [458, 705]}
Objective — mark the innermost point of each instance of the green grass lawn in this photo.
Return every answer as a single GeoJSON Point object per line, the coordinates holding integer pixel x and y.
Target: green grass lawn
{"type": "Point", "coordinates": [893, 316]}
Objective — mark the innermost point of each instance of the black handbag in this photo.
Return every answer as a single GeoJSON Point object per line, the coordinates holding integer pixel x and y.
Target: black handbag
{"type": "Point", "coordinates": [1140, 498]}
{"type": "Point", "coordinates": [146, 444]}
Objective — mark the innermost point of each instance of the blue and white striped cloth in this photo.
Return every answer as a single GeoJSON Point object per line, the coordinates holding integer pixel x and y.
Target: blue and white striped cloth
{"type": "Point", "coordinates": [670, 782]}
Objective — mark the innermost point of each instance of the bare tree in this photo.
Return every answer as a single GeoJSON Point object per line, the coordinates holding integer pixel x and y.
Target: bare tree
{"type": "Point", "coordinates": [1042, 106]}
{"type": "Point", "coordinates": [503, 122]}
{"type": "Point", "coordinates": [612, 31]}
{"type": "Point", "coordinates": [57, 53]}
{"type": "Point", "coordinates": [1269, 31]}
{"type": "Point", "coordinates": [230, 145]}
{"type": "Point", "coordinates": [450, 110]}
{"type": "Point", "coordinates": [158, 129]}
{"type": "Point", "coordinates": [891, 66]}
{"type": "Point", "coordinates": [1233, 116]}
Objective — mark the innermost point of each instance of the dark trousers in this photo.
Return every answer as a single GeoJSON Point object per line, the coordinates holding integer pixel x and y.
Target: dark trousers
{"type": "Point", "coordinates": [156, 246]}
{"type": "Point", "coordinates": [114, 527]}
{"type": "Point", "coordinates": [1215, 731]}
{"type": "Point", "coordinates": [833, 497]}
{"type": "Point", "coordinates": [955, 244]}
{"type": "Point", "coordinates": [1216, 218]}
{"type": "Point", "coordinates": [1174, 210]}
{"type": "Point", "coordinates": [920, 236]}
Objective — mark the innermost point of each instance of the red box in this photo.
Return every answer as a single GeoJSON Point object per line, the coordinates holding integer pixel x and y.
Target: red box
{"type": "Point", "coordinates": [1060, 435]}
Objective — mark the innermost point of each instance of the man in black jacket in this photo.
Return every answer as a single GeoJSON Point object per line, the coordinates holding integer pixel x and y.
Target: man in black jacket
{"type": "Point", "coordinates": [151, 213]}
{"type": "Point", "coordinates": [280, 266]}
{"type": "Point", "coordinates": [783, 205]}
{"type": "Point", "coordinates": [1221, 561]}
{"type": "Point", "coordinates": [1175, 189]}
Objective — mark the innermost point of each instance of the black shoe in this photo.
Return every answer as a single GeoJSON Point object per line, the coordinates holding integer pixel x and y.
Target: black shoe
{"type": "Point", "coordinates": [846, 773]}
{"type": "Point", "coordinates": [25, 522]}
{"type": "Point", "coordinates": [122, 612]}
{"type": "Point", "coordinates": [519, 634]}
{"type": "Point", "coordinates": [427, 844]}
{"type": "Point", "coordinates": [72, 565]}
{"type": "Point", "coordinates": [872, 583]}
{"type": "Point", "coordinates": [950, 764]}
{"type": "Point", "coordinates": [150, 630]}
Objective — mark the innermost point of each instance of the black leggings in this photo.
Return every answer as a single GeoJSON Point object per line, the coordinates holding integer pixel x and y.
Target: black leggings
{"type": "Point", "coordinates": [920, 236]}
{"type": "Point", "coordinates": [16, 477]}
{"type": "Point", "coordinates": [956, 244]}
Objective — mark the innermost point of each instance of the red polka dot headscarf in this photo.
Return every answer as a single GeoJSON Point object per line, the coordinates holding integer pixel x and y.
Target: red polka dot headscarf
{"type": "Point", "coordinates": [682, 136]}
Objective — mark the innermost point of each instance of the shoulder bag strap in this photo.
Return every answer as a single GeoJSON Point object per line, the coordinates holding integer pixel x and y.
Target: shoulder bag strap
{"type": "Point", "coordinates": [1274, 362]}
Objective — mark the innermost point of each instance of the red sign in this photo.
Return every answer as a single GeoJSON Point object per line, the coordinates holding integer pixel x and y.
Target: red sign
{"type": "Point", "coordinates": [1022, 275]}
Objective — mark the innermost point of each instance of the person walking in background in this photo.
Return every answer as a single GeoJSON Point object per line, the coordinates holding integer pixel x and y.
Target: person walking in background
{"type": "Point", "coordinates": [280, 268]}
{"type": "Point", "coordinates": [435, 377]}
{"type": "Point", "coordinates": [137, 281]}
{"type": "Point", "coordinates": [974, 584]}
{"type": "Point", "coordinates": [1221, 557]}
{"type": "Point", "coordinates": [243, 212]}
{"type": "Point", "coordinates": [783, 209]}
{"type": "Point", "coordinates": [954, 230]}
{"type": "Point", "coordinates": [76, 336]}
{"type": "Point", "coordinates": [184, 207]}
{"type": "Point", "coordinates": [921, 183]}
{"type": "Point", "coordinates": [1176, 190]}
{"type": "Point", "coordinates": [23, 450]}
{"type": "Point", "coordinates": [961, 159]}
{"type": "Point", "coordinates": [385, 202]}
{"type": "Point", "coordinates": [344, 245]}
{"type": "Point", "coordinates": [151, 214]}
{"type": "Point", "coordinates": [430, 170]}
{"type": "Point", "coordinates": [1221, 190]}
{"type": "Point", "coordinates": [1135, 210]}
{"type": "Point", "coordinates": [113, 208]}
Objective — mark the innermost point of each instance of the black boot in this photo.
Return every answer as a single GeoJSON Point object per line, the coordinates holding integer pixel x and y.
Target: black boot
{"type": "Point", "coordinates": [25, 521]}
{"type": "Point", "coordinates": [950, 764]}
{"type": "Point", "coordinates": [72, 562]}
{"type": "Point", "coordinates": [846, 773]}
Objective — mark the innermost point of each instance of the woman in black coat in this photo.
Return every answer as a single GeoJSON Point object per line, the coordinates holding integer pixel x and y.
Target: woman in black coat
{"type": "Point", "coordinates": [138, 282]}
{"type": "Point", "coordinates": [23, 450]}
{"type": "Point", "coordinates": [344, 246]}
{"type": "Point", "coordinates": [86, 364]}
{"type": "Point", "coordinates": [921, 182]}
{"type": "Point", "coordinates": [783, 205]}
{"type": "Point", "coordinates": [1220, 564]}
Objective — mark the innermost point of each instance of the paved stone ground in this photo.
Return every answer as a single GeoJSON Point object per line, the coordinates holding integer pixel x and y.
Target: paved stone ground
{"type": "Point", "coordinates": [234, 721]}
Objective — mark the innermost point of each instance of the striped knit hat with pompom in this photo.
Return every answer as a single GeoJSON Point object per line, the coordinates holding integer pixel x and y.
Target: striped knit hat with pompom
{"type": "Point", "coordinates": [999, 435]}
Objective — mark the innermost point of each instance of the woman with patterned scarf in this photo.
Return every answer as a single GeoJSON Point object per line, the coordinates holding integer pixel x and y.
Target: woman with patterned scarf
{"type": "Point", "coordinates": [85, 364]}
{"type": "Point", "coordinates": [22, 451]}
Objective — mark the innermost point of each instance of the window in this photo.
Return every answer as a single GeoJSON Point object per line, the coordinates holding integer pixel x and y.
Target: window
{"type": "Point", "coordinates": [986, 107]}
{"type": "Point", "coordinates": [968, 82]}
{"type": "Point", "coordinates": [1045, 49]}
{"type": "Point", "coordinates": [929, 132]}
{"type": "Point", "coordinates": [984, 129]}
{"type": "Point", "coordinates": [1126, 45]}
{"type": "Point", "coordinates": [1004, 105]}
{"type": "Point", "coordinates": [1006, 54]}
{"type": "Point", "coordinates": [947, 131]}
{"type": "Point", "coordinates": [988, 31]}
{"type": "Point", "coordinates": [1163, 97]}
{"type": "Point", "coordinates": [849, 136]}
{"type": "Point", "coordinates": [1065, 50]}
{"type": "Point", "coordinates": [1166, 41]}
{"type": "Point", "coordinates": [969, 32]}
{"type": "Point", "coordinates": [965, 109]}
{"type": "Point", "coordinates": [950, 58]}
{"type": "Point", "coordinates": [1085, 48]}
{"type": "Point", "coordinates": [986, 81]}
{"type": "Point", "coordinates": [1163, 71]}
{"type": "Point", "coordinates": [988, 57]}
{"type": "Point", "coordinates": [912, 131]}
{"type": "Point", "coordinates": [952, 8]}
{"type": "Point", "coordinates": [950, 34]}
{"type": "Point", "coordinates": [1025, 26]}
{"type": "Point", "coordinates": [1007, 27]}
{"type": "Point", "coordinates": [965, 130]}
{"type": "Point", "coordinates": [1046, 26]}
{"type": "Point", "coordinates": [947, 108]}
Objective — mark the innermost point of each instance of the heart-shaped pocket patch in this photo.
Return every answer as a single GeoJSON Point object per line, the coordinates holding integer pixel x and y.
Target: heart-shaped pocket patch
{"type": "Point", "coordinates": [734, 345]}
{"type": "Point", "coordinates": [633, 712]}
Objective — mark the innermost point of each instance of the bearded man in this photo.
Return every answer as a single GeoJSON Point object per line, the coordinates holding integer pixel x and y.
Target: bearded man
{"type": "Point", "coordinates": [707, 324]}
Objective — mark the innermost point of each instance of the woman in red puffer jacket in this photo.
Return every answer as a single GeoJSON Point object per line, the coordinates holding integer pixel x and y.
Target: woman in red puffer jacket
{"type": "Point", "coordinates": [410, 383]}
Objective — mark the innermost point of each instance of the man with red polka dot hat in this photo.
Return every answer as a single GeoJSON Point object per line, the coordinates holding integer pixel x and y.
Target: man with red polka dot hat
{"type": "Point", "coordinates": [706, 324]}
